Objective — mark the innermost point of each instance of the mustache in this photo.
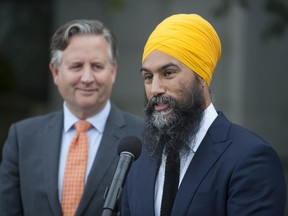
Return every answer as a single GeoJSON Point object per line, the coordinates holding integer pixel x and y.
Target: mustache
{"type": "Point", "coordinates": [160, 99]}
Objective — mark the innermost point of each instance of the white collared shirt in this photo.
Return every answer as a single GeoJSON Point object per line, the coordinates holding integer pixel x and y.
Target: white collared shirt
{"type": "Point", "coordinates": [209, 116]}
{"type": "Point", "coordinates": [94, 134]}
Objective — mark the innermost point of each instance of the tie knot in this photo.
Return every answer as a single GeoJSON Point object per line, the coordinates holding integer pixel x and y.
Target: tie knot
{"type": "Point", "coordinates": [82, 126]}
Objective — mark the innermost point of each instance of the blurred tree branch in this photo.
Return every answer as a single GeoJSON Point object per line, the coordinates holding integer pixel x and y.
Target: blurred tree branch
{"type": "Point", "coordinates": [278, 9]}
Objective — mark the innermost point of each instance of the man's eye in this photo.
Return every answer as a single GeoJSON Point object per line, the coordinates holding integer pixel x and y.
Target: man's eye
{"type": "Point", "coordinates": [98, 67]}
{"type": "Point", "coordinates": [75, 67]}
{"type": "Point", "coordinates": [168, 72]}
{"type": "Point", "coordinates": [147, 77]}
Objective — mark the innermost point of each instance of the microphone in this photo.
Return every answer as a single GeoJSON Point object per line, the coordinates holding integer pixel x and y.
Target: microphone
{"type": "Point", "coordinates": [129, 149]}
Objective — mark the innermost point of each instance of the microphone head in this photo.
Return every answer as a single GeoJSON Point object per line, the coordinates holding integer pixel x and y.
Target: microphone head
{"type": "Point", "coordinates": [131, 144]}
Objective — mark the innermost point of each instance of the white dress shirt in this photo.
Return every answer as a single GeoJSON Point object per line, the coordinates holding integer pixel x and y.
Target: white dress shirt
{"type": "Point", "coordinates": [209, 116]}
{"type": "Point", "coordinates": [94, 134]}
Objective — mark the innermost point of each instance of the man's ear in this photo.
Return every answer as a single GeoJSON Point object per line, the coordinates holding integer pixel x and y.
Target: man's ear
{"type": "Point", "coordinates": [54, 71]}
{"type": "Point", "coordinates": [114, 72]}
{"type": "Point", "coordinates": [203, 82]}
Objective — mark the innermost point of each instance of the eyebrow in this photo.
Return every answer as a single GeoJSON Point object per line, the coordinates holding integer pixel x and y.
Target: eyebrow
{"type": "Point", "coordinates": [161, 68]}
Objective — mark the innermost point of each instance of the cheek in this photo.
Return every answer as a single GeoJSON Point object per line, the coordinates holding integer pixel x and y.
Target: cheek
{"type": "Point", "coordinates": [183, 84]}
{"type": "Point", "coordinates": [104, 80]}
{"type": "Point", "coordinates": [106, 77]}
{"type": "Point", "coordinates": [177, 89]}
{"type": "Point", "coordinates": [66, 81]}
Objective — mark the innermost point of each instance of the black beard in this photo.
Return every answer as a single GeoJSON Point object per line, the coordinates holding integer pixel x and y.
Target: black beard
{"type": "Point", "coordinates": [174, 131]}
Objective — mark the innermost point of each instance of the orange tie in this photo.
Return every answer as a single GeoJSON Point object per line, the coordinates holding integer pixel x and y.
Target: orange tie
{"type": "Point", "coordinates": [73, 183]}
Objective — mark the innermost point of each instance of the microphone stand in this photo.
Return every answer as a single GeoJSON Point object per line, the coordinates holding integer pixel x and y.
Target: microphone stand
{"type": "Point", "coordinates": [114, 193]}
{"type": "Point", "coordinates": [129, 149]}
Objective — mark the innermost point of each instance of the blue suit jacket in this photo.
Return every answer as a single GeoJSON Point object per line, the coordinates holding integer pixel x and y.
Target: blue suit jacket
{"type": "Point", "coordinates": [29, 169]}
{"type": "Point", "coordinates": [234, 172]}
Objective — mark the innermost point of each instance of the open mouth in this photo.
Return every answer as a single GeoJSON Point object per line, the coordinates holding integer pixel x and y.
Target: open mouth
{"type": "Point", "coordinates": [161, 107]}
{"type": "Point", "coordinates": [164, 109]}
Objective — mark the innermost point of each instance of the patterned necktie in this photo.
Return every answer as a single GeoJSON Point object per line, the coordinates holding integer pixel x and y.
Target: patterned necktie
{"type": "Point", "coordinates": [73, 183]}
{"type": "Point", "coordinates": [171, 181]}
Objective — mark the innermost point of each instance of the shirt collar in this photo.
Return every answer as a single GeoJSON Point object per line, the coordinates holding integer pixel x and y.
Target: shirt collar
{"type": "Point", "coordinates": [98, 121]}
{"type": "Point", "coordinates": [210, 114]}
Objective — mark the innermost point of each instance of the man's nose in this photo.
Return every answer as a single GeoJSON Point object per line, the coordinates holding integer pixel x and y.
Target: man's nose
{"type": "Point", "coordinates": [87, 75]}
{"type": "Point", "coordinates": [157, 86]}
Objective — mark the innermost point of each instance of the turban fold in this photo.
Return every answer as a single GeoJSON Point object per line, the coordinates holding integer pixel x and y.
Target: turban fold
{"type": "Point", "coordinates": [189, 38]}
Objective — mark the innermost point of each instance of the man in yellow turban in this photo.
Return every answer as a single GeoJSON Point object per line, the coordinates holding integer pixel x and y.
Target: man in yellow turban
{"type": "Point", "coordinates": [195, 161]}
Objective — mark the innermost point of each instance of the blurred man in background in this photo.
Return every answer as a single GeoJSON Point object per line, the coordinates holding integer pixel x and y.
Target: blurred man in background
{"type": "Point", "coordinates": [61, 163]}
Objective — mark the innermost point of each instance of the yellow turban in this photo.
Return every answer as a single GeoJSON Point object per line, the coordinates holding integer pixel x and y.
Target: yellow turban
{"type": "Point", "coordinates": [190, 39]}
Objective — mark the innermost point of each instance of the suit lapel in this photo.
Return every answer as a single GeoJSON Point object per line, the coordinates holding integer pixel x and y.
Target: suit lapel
{"type": "Point", "coordinates": [211, 148]}
{"type": "Point", "coordinates": [105, 156]}
{"type": "Point", "coordinates": [51, 139]}
{"type": "Point", "coordinates": [147, 174]}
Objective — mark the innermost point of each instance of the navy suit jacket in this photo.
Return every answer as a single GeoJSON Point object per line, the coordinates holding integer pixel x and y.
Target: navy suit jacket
{"type": "Point", "coordinates": [29, 169]}
{"type": "Point", "coordinates": [234, 172]}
